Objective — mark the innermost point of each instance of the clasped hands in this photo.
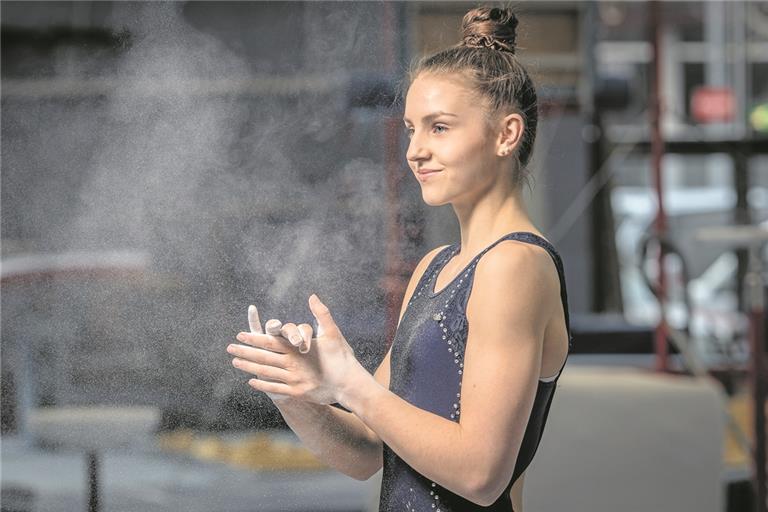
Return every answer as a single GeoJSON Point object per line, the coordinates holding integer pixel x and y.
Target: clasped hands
{"type": "Point", "coordinates": [289, 363]}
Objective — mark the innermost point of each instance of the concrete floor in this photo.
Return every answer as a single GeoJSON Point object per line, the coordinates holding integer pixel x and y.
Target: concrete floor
{"type": "Point", "coordinates": [151, 480]}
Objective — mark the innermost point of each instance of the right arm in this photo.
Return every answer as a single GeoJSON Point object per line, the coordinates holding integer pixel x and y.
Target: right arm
{"type": "Point", "coordinates": [338, 438]}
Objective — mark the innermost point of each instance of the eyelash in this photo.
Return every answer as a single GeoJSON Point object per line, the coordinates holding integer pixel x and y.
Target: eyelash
{"type": "Point", "coordinates": [409, 131]}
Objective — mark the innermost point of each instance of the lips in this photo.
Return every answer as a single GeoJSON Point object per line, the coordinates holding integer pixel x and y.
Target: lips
{"type": "Point", "coordinates": [425, 174]}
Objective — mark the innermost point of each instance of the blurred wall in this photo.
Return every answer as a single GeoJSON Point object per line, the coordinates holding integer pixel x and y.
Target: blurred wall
{"type": "Point", "coordinates": [228, 141]}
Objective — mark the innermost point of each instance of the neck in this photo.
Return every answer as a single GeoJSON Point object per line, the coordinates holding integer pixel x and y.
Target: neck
{"type": "Point", "coordinates": [498, 211]}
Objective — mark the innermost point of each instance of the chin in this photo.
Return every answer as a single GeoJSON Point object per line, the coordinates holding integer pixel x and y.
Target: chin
{"type": "Point", "coordinates": [433, 199]}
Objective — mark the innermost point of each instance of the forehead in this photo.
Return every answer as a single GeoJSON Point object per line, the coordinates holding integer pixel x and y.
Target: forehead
{"type": "Point", "coordinates": [429, 93]}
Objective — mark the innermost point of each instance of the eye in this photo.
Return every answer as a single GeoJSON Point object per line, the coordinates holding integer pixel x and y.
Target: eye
{"type": "Point", "coordinates": [440, 127]}
{"type": "Point", "coordinates": [408, 131]}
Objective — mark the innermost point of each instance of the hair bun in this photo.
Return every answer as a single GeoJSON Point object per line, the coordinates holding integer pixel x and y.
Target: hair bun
{"type": "Point", "coordinates": [489, 27]}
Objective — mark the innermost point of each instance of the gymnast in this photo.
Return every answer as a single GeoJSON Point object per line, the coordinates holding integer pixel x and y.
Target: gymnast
{"type": "Point", "coordinates": [456, 409]}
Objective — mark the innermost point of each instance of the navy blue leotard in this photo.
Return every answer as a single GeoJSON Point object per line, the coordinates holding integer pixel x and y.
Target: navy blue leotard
{"type": "Point", "coordinates": [426, 369]}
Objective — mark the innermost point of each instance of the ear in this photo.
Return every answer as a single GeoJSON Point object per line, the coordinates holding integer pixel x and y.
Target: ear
{"type": "Point", "coordinates": [512, 127]}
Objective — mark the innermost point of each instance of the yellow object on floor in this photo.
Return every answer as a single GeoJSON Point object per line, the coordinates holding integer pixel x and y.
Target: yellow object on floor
{"type": "Point", "coordinates": [740, 407]}
{"type": "Point", "coordinates": [258, 451]}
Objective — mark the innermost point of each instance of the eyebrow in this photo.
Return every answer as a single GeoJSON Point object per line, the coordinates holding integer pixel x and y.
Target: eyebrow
{"type": "Point", "coordinates": [431, 116]}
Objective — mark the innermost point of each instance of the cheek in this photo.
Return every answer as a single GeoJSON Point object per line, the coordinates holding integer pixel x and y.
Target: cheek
{"type": "Point", "coordinates": [466, 159]}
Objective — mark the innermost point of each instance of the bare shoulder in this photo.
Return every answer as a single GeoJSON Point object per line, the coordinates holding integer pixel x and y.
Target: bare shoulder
{"type": "Point", "coordinates": [523, 275]}
{"type": "Point", "coordinates": [514, 261]}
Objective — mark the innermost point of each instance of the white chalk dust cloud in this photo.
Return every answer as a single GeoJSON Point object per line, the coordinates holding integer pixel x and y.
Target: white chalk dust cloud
{"type": "Point", "coordinates": [236, 197]}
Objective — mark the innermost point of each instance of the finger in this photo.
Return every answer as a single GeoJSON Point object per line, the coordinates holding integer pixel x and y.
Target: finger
{"type": "Point", "coordinates": [265, 341]}
{"type": "Point", "coordinates": [306, 334]}
{"type": "Point", "coordinates": [273, 327]}
{"type": "Point", "coordinates": [290, 332]}
{"type": "Point", "coordinates": [325, 322]}
{"type": "Point", "coordinates": [262, 370]}
{"type": "Point", "coordinates": [254, 324]}
{"type": "Point", "coordinates": [258, 355]}
{"type": "Point", "coordinates": [271, 388]}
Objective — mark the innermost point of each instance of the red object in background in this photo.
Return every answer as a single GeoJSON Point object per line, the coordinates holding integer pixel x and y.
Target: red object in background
{"type": "Point", "coordinates": [712, 104]}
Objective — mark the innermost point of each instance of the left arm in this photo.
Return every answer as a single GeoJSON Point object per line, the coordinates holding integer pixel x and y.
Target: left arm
{"type": "Point", "coordinates": [512, 298]}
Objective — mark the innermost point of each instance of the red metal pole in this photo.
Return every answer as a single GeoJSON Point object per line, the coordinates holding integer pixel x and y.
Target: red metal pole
{"type": "Point", "coordinates": [757, 375]}
{"type": "Point", "coordinates": [395, 283]}
{"type": "Point", "coordinates": [657, 152]}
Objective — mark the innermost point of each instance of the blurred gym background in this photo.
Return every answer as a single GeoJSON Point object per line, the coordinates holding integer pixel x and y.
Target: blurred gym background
{"type": "Point", "coordinates": [166, 164]}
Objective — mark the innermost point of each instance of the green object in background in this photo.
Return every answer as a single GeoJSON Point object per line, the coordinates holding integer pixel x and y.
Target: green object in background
{"type": "Point", "coordinates": [759, 118]}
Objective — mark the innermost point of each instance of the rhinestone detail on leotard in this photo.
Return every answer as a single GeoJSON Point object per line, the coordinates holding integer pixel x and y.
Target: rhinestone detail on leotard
{"type": "Point", "coordinates": [452, 337]}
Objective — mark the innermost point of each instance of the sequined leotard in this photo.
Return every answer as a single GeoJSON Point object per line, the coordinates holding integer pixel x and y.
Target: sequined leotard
{"type": "Point", "coordinates": [426, 370]}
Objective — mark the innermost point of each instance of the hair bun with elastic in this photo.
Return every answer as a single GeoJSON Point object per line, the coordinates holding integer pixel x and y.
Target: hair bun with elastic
{"type": "Point", "coordinates": [489, 27]}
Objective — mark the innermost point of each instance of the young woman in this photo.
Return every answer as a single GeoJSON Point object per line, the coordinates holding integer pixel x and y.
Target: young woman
{"type": "Point", "coordinates": [456, 410]}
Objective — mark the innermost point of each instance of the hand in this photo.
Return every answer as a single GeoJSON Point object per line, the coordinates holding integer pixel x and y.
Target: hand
{"type": "Point", "coordinates": [254, 323]}
{"type": "Point", "coordinates": [320, 376]}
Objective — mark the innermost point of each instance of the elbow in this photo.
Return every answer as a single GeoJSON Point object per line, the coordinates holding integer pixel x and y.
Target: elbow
{"type": "Point", "coordinates": [357, 472]}
{"type": "Point", "coordinates": [480, 496]}
{"type": "Point", "coordinates": [367, 475]}
{"type": "Point", "coordinates": [488, 489]}
{"type": "Point", "coordinates": [485, 497]}
{"type": "Point", "coordinates": [363, 476]}
{"type": "Point", "coordinates": [375, 463]}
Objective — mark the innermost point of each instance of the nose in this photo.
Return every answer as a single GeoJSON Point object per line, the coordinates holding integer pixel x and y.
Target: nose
{"type": "Point", "coordinates": [417, 150]}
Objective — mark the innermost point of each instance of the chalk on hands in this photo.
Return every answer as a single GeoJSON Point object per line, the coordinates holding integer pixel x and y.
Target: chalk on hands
{"type": "Point", "coordinates": [253, 320]}
{"type": "Point", "coordinates": [306, 345]}
{"type": "Point", "coordinates": [297, 338]}
{"type": "Point", "coordinates": [254, 324]}
{"type": "Point", "coordinates": [273, 327]}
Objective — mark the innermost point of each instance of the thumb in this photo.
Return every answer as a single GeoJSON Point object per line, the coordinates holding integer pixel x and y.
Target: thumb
{"type": "Point", "coordinates": [325, 322]}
